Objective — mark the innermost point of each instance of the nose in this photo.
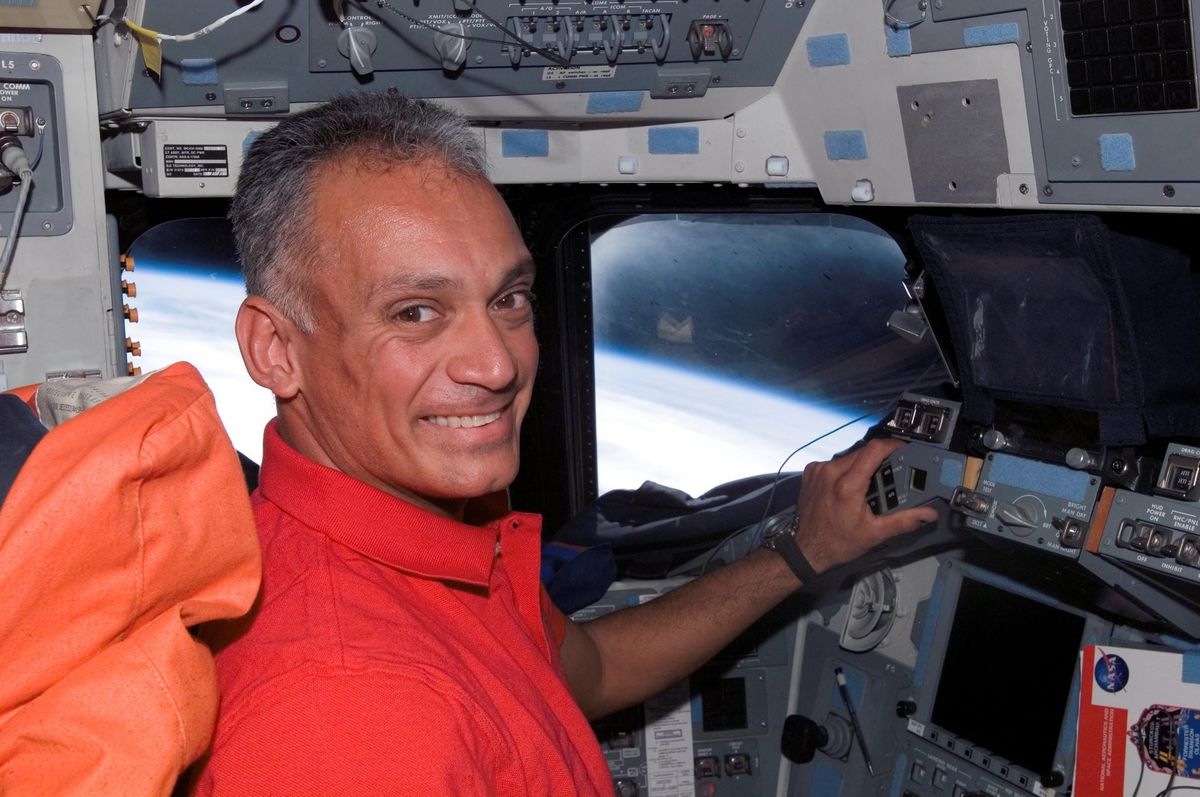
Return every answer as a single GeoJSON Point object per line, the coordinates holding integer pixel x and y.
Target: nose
{"type": "Point", "coordinates": [485, 353]}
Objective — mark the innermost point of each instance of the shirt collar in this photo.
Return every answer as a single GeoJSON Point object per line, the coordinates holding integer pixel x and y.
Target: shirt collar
{"type": "Point", "coordinates": [377, 524]}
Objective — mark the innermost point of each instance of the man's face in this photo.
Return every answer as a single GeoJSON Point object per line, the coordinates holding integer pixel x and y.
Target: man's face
{"type": "Point", "coordinates": [421, 365]}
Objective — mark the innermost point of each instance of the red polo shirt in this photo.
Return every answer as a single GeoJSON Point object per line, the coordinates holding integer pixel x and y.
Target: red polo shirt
{"type": "Point", "coordinates": [394, 652]}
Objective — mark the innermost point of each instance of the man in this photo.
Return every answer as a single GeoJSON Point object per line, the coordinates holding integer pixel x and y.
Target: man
{"type": "Point", "coordinates": [402, 644]}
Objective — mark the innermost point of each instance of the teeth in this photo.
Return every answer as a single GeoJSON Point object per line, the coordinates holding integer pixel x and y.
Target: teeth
{"type": "Point", "coordinates": [464, 421]}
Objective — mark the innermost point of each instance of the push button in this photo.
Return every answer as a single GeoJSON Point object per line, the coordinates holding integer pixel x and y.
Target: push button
{"type": "Point", "coordinates": [737, 764]}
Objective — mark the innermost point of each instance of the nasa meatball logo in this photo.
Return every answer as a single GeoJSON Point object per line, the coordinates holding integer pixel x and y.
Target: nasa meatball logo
{"type": "Point", "coordinates": [1112, 673]}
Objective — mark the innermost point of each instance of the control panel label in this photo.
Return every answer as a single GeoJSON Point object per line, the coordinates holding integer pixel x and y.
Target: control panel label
{"type": "Point", "coordinates": [669, 763]}
{"type": "Point", "coordinates": [13, 92]}
{"type": "Point", "coordinates": [600, 71]}
{"type": "Point", "coordinates": [195, 160]}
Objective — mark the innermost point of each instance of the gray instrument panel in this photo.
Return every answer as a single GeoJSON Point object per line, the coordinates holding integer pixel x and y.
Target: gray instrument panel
{"type": "Point", "coordinates": [301, 52]}
{"type": "Point", "coordinates": [31, 109]}
{"type": "Point", "coordinates": [714, 734]}
{"type": "Point", "coordinates": [1089, 152]}
{"type": "Point", "coordinates": [1034, 503]}
{"type": "Point", "coordinates": [1160, 534]}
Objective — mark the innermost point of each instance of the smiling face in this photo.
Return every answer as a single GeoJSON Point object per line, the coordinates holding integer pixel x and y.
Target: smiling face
{"type": "Point", "coordinates": [420, 367]}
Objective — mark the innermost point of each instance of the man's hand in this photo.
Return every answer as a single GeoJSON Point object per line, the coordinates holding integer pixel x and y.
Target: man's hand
{"type": "Point", "coordinates": [835, 525]}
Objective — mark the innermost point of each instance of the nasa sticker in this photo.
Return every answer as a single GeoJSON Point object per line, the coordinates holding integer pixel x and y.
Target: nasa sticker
{"type": "Point", "coordinates": [1112, 673]}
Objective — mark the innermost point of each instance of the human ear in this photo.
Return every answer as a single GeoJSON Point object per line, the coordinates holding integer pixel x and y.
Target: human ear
{"type": "Point", "coordinates": [265, 338]}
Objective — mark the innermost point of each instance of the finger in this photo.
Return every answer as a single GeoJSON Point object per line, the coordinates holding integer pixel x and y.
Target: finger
{"type": "Point", "coordinates": [864, 462]}
{"type": "Point", "coordinates": [906, 520]}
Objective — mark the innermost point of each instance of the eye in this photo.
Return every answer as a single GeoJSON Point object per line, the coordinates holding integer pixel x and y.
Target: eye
{"type": "Point", "coordinates": [416, 314]}
{"type": "Point", "coordinates": [519, 300]}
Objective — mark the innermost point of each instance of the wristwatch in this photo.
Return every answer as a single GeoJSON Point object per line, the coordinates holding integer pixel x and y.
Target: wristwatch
{"type": "Point", "coordinates": [779, 536]}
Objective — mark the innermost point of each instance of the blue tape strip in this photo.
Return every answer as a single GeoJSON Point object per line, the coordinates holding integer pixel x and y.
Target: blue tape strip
{"type": "Point", "coordinates": [831, 50]}
{"type": "Point", "coordinates": [1191, 667]}
{"type": "Point", "coordinates": [845, 145]}
{"type": "Point", "coordinates": [1116, 152]}
{"type": "Point", "coordinates": [952, 473]}
{"type": "Point", "coordinates": [199, 71]}
{"type": "Point", "coordinates": [1060, 482]}
{"type": "Point", "coordinates": [826, 781]}
{"type": "Point", "coordinates": [899, 42]}
{"type": "Point", "coordinates": [249, 140]}
{"type": "Point", "coordinates": [1001, 33]}
{"type": "Point", "coordinates": [674, 140]}
{"type": "Point", "coordinates": [1066, 743]}
{"type": "Point", "coordinates": [1176, 642]}
{"type": "Point", "coordinates": [615, 101]}
{"type": "Point", "coordinates": [933, 610]}
{"type": "Point", "coordinates": [898, 775]}
{"type": "Point", "coordinates": [697, 710]}
{"type": "Point", "coordinates": [525, 144]}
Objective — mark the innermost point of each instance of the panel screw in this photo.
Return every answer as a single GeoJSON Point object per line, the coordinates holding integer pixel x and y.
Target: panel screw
{"type": "Point", "coordinates": [1117, 466]}
{"type": "Point", "coordinates": [210, 96]}
{"type": "Point", "coordinates": [392, 91]}
{"type": "Point", "coordinates": [1047, 190]}
{"type": "Point", "coordinates": [47, 226]}
{"type": "Point", "coordinates": [35, 65]}
{"type": "Point", "coordinates": [1028, 47]}
{"type": "Point", "coordinates": [1024, 189]}
{"type": "Point", "coordinates": [1168, 191]}
{"type": "Point", "coordinates": [322, 63]}
{"type": "Point", "coordinates": [560, 84]}
{"type": "Point", "coordinates": [1076, 160]}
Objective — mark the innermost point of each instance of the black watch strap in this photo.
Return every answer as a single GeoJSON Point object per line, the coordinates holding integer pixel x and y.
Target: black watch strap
{"type": "Point", "coordinates": [784, 544]}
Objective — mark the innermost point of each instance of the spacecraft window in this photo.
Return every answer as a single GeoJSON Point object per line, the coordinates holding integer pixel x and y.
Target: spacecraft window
{"type": "Point", "coordinates": [725, 341]}
{"type": "Point", "coordinates": [189, 287]}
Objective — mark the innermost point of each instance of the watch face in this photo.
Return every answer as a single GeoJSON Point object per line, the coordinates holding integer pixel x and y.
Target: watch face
{"type": "Point", "coordinates": [776, 528]}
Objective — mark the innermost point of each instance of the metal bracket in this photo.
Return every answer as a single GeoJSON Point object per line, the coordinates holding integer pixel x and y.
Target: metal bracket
{"type": "Point", "coordinates": [13, 338]}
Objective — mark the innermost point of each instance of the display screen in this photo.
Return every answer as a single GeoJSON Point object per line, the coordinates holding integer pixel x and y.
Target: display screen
{"type": "Point", "coordinates": [1006, 676]}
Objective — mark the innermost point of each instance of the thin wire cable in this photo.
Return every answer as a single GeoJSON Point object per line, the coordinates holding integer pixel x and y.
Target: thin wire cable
{"type": "Point", "coordinates": [1171, 787]}
{"type": "Point", "coordinates": [1138, 786]}
{"type": "Point", "coordinates": [512, 39]}
{"type": "Point", "coordinates": [41, 146]}
{"type": "Point", "coordinates": [761, 526]}
{"type": "Point", "coordinates": [210, 27]}
{"type": "Point", "coordinates": [10, 246]}
{"type": "Point", "coordinates": [779, 473]}
{"type": "Point", "coordinates": [771, 495]}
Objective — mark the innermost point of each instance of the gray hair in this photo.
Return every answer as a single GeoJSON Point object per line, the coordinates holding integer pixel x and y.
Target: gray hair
{"type": "Point", "coordinates": [270, 210]}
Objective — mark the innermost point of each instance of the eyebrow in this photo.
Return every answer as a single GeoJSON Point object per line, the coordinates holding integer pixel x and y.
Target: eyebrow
{"type": "Point", "coordinates": [405, 282]}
